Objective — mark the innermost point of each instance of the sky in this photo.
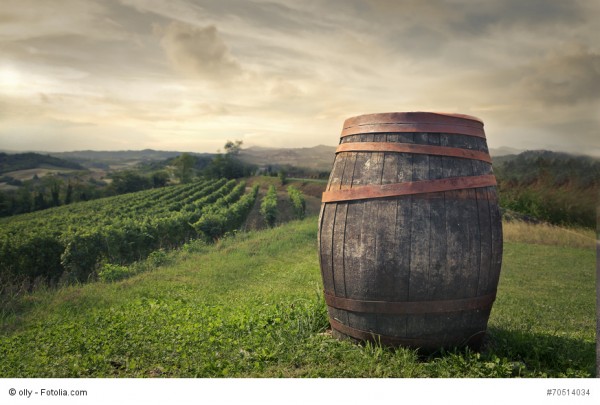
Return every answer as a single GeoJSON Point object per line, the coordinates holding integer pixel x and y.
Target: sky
{"type": "Point", "coordinates": [188, 75]}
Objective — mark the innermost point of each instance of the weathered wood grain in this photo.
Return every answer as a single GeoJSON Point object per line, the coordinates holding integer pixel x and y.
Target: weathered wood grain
{"type": "Point", "coordinates": [418, 248]}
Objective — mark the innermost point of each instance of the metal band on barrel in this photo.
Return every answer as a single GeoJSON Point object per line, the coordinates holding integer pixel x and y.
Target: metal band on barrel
{"type": "Point", "coordinates": [414, 127]}
{"type": "Point", "coordinates": [411, 307]}
{"type": "Point", "coordinates": [408, 188]}
{"type": "Point", "coordinates": [413, 117]}
{"type": "Point", "coordinates": [414, 148]}
{"type": "Point", "coordinates": [392, 340]}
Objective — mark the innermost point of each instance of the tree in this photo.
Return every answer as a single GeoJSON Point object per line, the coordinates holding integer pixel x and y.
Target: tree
{"type": "Point", "coordinates": [184, 164]}
{"type": "Point", "coordinates": [54, 193]}
{"type": "Point", "coordinates": [232, 149]}
{"type": "Point", "coordinates": [39, 203]}
{"type": "Point", "coordinates": [53, 183]}
{"type": "Point", "coordinates": [160, 178]}
{"type": "Point", "coordinates": [229, 166]}
{"type": "Point", "coordinates": [69, 194]}
{"type": "Point", "coordinates": [128, 181]}
{"type": "Point", "coordinates": [282, 177]}
{"type": "Point", "coordinates": [4, 205]}
{"type": "Point", "coordinates": [23, 202]}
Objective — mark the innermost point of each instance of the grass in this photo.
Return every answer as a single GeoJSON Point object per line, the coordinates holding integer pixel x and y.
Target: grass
{"type": "Point", "coordinates": [251, 306]}
{"type": "Point", "coordinates": [547, 234]}
{"type": "Point", "coordinates": [544, 313]}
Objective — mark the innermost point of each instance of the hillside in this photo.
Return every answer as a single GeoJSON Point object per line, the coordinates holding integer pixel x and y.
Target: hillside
{"type": "Point", "coordinates": [251, 306]}
{"type": "Point", "coordinates": [318, 158]}
{"type": "Point", "coordinates": [71, 242]}
{"type": "Point", "coordinates": [25, 161]}
{"type": "Point", "coordinates": [556, 187]}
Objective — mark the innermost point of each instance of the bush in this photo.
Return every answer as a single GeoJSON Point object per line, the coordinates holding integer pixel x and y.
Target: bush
{"type": "Point", "coordinates": [268, 207]}
{"type": "Point", "coordinates": [113, 272]}
{"type": "Point", "coordinates": [282, 177]}
{"type": "Point", "coordinates": [298, 202]}
{"type": "Point", "coordinates": [157, 258]}
{"type": "Point", "coordinates": [83, 251]}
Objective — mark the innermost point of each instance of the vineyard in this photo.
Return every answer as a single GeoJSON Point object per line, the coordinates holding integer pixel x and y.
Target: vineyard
{"type": "Point", "coordinates": [68, 243]}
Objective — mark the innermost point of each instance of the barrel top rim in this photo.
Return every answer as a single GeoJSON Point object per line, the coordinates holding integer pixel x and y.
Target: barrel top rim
{"type": "Point", "coordinates": [413, 117]}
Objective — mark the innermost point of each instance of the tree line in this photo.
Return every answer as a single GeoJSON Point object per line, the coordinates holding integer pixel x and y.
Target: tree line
{"type": "Point", "coordinates": [555, 187]}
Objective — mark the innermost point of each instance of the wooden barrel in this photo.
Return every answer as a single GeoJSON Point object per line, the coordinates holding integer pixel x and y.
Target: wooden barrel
{"type": "Point", "coordinates": [410, 237]}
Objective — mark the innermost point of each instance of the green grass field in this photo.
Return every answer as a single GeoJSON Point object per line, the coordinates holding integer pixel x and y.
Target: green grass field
{"type": "Point", "coordinates": [251, 306]}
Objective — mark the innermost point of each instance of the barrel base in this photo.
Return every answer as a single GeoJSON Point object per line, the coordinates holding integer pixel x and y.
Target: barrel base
{"type": "Point", "coordinates": [424, 345]}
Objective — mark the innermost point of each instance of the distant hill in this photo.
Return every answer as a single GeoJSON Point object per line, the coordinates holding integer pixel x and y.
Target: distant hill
{"type": "Point", "coordinates": [30, 160]}
{"type": "Point", "coordinates": [92, 158]}
{"type": "Point", "coordinates": [317, 157]}
{"type": "Point", "coordinates": [114, 159]}
{"type": "Point", "coordinates": [560, 168]}
{"type": "Point", "coordinates": [146, 154]}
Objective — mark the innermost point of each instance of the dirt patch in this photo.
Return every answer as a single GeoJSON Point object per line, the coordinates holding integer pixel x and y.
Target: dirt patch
{"type": "Point", "coordinates": [255, 221]}
{"type": "Point", "coordinates": [285, 211]}
{"type": "Point", "coordinates": [7, 187]}
{"type": "Point", "coordinates": [310, 188]}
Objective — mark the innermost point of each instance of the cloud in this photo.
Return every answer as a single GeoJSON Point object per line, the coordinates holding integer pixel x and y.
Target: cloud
{"type": "Point", "coordinates": [563, 76]}
{"type": "Point", "coordinates": [568, 75]}
{"type": "Point", "coordinates": [199, 72]}
{"type": "Point", "coordinates": [476, 17]}
{"type": "Point", "coordinates": [280, 87]}
{"type": "Point", "coordinates": [95, 43]}
{"type": "Point", "coordinates": [26, 19]}
{"type": "Point", "coordinates": [198, 51]}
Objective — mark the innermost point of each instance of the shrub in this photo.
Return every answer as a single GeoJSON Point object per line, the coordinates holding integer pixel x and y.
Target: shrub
{"type": "Point", "coordinates": [113, 272]}
{"type": "Point", "coordinates": [82, 252]}
{"type": "Point", "coordinates": [298, 202]}
{"type": "Point", "coordinates": [282, 177]}
{"type": "Point", "coordinates": [157, 258]}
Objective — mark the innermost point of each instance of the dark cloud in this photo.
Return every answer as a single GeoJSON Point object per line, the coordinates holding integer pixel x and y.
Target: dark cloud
{"type": "Point", "coordinates": [564, 76]}
{"type": "Point", "coordinates": [575, 133]}
{"type": "Point", "coordinates": [427, 29]}
{"type": "Point", "coordinates": [474, 17]}
{"type": "Point", "coordinates": [198, 51]}
{"type": "Point", "coordinates": [479, 17]}
{"type": "Point", "coordinates": [567, 76]}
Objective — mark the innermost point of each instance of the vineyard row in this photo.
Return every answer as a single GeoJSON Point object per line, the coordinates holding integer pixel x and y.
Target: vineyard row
{"type": "Point", "coordinates": [69, 242]}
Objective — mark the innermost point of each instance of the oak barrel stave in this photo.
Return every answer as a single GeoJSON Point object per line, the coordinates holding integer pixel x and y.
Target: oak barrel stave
{"type": "Point", "coordinates": [412, 248]}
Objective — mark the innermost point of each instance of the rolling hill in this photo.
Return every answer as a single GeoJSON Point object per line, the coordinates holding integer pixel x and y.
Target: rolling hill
{"type": "Point", "coordinates": [25, 161]}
